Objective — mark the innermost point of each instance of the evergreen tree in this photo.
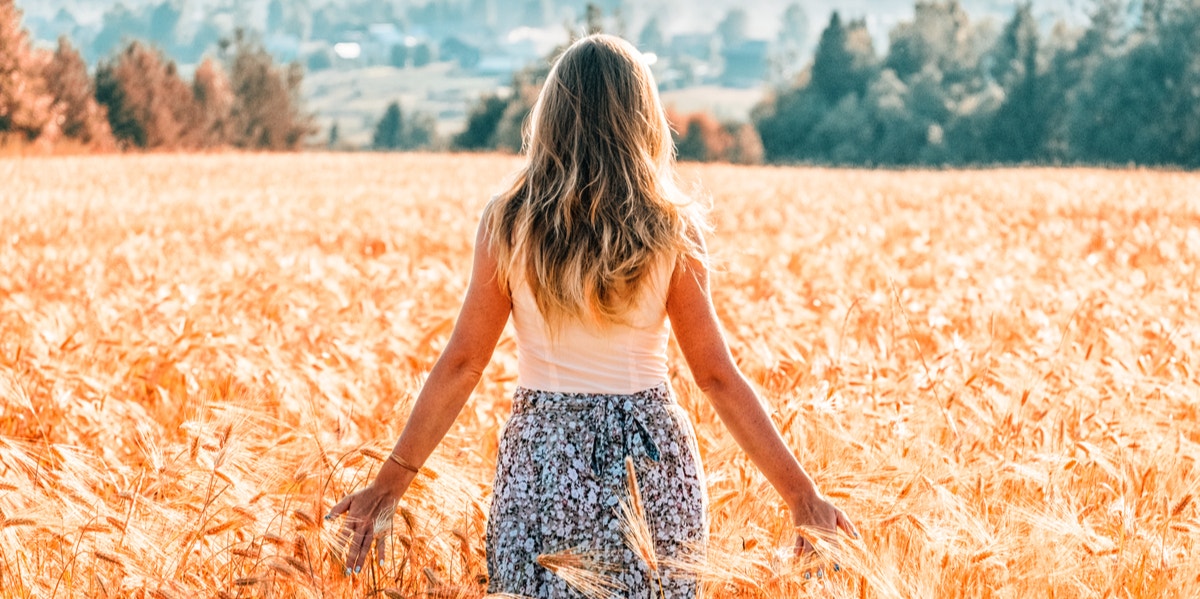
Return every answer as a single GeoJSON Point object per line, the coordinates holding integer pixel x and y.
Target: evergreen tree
{"type": "Point", "coordinates": [80, 117]}
{"type": "Point", "coordinates": [1019, 128]}
{"type": "Point", "coordinates": [389, 132]}
{"type": "Point", "coordinates": [844, 60]}
{"type": "Point", "coordinates": [690, 145]}
{"type": "Point", "coordinates": [148, 104]}
{"type": "Point", "coordinates": [482, 122]}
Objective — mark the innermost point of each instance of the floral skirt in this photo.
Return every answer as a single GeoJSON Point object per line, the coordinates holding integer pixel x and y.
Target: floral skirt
{"type": "Point", "coordinates": [556, 529]}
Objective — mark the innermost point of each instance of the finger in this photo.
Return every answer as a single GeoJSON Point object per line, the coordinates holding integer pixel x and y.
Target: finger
{"type": "Point", "coordinates": [844, 523]}
{"type": "Point", "coordinates": [803, 547]}
{"type": "Point", "coordinates": [381, 547]}
{"type": "Point", "coordinates": [359, 544]}
{"type": "Point", "coordinates": [343, 542]}
{"type": "Point", "coordinates": [345, 533]}
{"type": "Point", "coordinates": [340, 508]}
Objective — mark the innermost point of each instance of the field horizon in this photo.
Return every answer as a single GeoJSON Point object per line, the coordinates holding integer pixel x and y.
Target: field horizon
{"type": "Point", "coordinates": [993, 372]}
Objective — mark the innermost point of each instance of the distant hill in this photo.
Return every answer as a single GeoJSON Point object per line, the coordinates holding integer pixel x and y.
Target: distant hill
{"type": "Point", "coordinates": [675, 15]}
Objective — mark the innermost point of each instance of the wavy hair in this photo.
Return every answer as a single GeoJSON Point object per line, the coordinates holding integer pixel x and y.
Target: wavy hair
{"type": "Point", "coordinates": [596, 206]}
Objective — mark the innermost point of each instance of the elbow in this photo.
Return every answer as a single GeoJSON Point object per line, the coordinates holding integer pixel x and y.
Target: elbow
{"type": "Point", "coordinates": [464, 367]}
{"type": "Point", "coordinates": [470, 371]}
{"type": "Point", "coordinates": [717, 383]}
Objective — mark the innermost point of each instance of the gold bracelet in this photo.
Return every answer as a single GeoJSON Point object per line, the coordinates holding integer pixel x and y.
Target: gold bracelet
{"type": "Point", "coordinates": [403, 464]}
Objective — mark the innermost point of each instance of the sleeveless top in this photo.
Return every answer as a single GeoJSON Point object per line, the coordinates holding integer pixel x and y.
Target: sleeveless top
{"type": "Point", "coordinates": [586, 358]}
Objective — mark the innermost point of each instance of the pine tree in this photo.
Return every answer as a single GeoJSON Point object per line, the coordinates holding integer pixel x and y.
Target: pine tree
{"type": "Point", "coordinates": [482, 122]}
{"type": "Point", "coordinates": [149, 105]}
{"type": "Point", "coordinates": [834, 63]}
{"type": "Point", "coordinates": [80, 116]}
{"type": "Point", "coordinates": [1019, 129]}
{"type": "Point", "coordinates": [389, 132]}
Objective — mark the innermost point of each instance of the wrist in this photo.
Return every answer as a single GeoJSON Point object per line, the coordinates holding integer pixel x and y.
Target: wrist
{"type": "Point", "coordinates": [394, 478]}
{"type": "Point", "coordinates": [800, 497]}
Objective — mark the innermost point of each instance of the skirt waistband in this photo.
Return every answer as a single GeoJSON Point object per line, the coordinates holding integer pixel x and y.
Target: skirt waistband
{"type": "Point", "coordinates": [536, 400]}
{"type": "Point", "coordinates": [616, 419]}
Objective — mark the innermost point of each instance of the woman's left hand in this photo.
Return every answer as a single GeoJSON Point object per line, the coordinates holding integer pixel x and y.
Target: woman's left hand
{"type": "Point", "coordinates": [368, 517]}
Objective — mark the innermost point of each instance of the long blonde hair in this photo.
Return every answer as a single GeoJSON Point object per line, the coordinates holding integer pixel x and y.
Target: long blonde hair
{"type": "Point", "coordinates": [597, 205]}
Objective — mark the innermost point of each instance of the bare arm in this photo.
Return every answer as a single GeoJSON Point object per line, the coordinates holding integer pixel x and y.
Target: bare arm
{"type": "Point", "coordinates": [698, 331]}
{"type": "Point", "coordinates": [484, 312]}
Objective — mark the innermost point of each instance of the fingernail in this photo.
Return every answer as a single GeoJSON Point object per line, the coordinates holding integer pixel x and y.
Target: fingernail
{"type": "Point", "coordinates": [329, 516]}
{"type": "Point", "coordinates": [380, 563]}
{"type": "Point", "coordinates": [807, 575]}
{"type": "Point", "coordinates": [837, 568]}
{"type": "Point", "coordinates": [856, 535]}
{"type": "Point", "coordinates": [347, 571]}
{"type": "Point", "coordinates": [358, 569]}
{"type": "Point", "coordinates": [821, 573]}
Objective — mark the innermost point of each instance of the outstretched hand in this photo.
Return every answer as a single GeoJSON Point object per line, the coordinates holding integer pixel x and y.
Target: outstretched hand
{"type": "Point", "coordinates": [368, 518]}
{"type": "Point", "coordinates": [819, 514]}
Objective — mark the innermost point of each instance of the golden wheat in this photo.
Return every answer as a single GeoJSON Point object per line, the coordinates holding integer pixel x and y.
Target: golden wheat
{"type": "Point", "coordinates": [994, 373]}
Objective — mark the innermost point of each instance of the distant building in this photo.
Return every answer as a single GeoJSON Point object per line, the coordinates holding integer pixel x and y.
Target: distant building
{"type": "Point", "coordinates": [745, 64]}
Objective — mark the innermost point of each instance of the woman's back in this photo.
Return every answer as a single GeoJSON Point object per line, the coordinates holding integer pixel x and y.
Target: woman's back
{"type": "Point", "coordinates": [579, 357]}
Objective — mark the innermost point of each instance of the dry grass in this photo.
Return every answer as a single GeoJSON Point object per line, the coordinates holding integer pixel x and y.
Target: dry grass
{"type": "Point", "coordinates": [995, 373]}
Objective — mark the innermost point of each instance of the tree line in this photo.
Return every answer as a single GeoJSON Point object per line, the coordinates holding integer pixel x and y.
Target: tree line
{"type": "Point", "coordinates": [1124, 89]}
{"type": "Point", "coordinates": [138, 99]}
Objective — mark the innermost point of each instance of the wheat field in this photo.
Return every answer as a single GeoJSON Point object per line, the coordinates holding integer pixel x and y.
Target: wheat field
{"type": "Point", "coordinates": [995, 373]}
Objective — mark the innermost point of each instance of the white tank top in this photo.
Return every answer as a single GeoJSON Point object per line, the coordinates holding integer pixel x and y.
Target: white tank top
{"type": "Point", "coordinates": [583, 358]}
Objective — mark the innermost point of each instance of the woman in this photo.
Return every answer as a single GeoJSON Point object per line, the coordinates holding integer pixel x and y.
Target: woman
{"type": "Point", "coordinates": [590, 251]}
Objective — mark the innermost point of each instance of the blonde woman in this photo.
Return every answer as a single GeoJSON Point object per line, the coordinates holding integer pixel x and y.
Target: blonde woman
{"type": "Point", "coordinates": [597, 257]}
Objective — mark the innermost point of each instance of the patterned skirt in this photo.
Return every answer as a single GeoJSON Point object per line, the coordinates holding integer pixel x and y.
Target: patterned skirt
{"type": "Point", "coordinates": [556, 528]}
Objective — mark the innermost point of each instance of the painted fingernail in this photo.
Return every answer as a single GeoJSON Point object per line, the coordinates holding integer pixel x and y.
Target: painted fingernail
{"type": "Point", "coordinates": [837, 567]}
{"type": "Point", "coordinates": [380, 563]}
{"type": "Point", "coordinates": [347, 571]}
{"type": "Point", "coordinates": [807, 575]}
{"type": "Point", "coordinates": [821, 573]}
{"type": "Point", "coordinates": [329, 516]}
{"type": "Point", "coordinates": [358, 569]}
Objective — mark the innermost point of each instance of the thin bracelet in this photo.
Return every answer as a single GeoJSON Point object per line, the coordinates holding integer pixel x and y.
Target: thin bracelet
{"type": "Point", "coordinates": [404, 464]}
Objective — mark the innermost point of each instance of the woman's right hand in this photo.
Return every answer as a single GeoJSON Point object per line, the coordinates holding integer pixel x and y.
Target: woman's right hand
{"type": "Point", "coordinates": [820, 514]}
{"type": "Point", "coordinates": [369, 517]}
